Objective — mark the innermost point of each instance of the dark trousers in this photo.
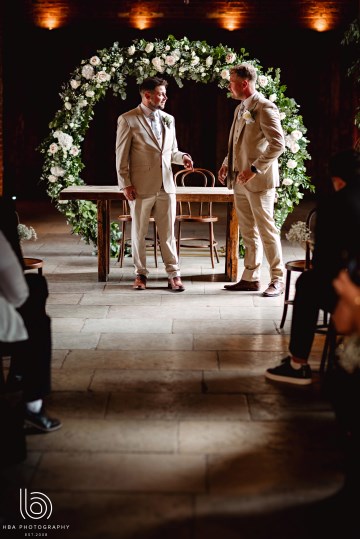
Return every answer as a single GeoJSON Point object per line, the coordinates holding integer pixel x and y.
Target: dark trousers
{"type": "Point", "coordinates": [313, 292]}
{"type": "Point", "coordinates": [31, 359]}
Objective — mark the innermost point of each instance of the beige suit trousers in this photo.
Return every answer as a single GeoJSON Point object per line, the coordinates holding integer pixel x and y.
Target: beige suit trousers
{"type": "Point", "coordinates": [257, 227]}
{"type": "Point", "coordinates": [162, 206]}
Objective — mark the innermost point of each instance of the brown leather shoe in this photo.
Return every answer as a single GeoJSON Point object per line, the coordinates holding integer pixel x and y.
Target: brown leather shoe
{"type": "Point", "coordinates": [140, 282]}
{"type": "Point", "coordinates": [275, 288]}
{"type": "Point", "coordinates": [243, 286]}
{"type": "Point", "coordinates": [175, 284]}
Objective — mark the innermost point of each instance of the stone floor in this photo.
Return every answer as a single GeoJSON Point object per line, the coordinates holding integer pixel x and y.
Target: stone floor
{"type": "Point", "coordinates": [169, 428]}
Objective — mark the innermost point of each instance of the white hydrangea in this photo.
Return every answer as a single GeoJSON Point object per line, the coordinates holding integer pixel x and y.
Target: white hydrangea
{"type": "Point", "coordinates": [57, 171]}
{"type": "Point", "coordinates": [149, 47]}
{"type": "Point", "coordinates": [75, 84]}
{"type": "Point", "coordinates": [87, 71]}
{"type": "Point", "coordinates": [64, 140]}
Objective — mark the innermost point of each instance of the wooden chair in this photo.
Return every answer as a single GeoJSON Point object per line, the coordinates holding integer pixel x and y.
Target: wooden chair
{"type": "Point", "coordinates": [125, 218]}
{"type": "Point", "coordinates": [186, 212]}
{"type": "Point", "coordinates": [299, 266]}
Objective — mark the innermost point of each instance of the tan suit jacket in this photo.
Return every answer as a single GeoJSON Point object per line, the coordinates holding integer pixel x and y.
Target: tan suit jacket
{"type": "Point", "coordinates": [259, 143]}
{"type": "Point", "coordinates": [140, 160]}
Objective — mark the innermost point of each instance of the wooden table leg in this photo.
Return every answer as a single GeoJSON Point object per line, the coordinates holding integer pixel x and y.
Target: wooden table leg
{"type": "Point", "coordinates": [232, 243]}
{"type": "Point", "coordinates": [103, 240]}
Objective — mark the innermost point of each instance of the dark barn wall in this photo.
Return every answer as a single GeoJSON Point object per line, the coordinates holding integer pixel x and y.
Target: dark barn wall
{"type": "Point", "coordinates": [313, 66]}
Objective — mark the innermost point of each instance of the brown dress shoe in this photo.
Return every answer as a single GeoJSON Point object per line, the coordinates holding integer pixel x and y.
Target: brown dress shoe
{"type": "Point", "coordinates": [275, 288]}
{"type": "Point", "coordinates": [175, 284]}
{"type": "Point", "coordinates": [243, 286]}
{"type": "Point", "coordinates": [140, 282]}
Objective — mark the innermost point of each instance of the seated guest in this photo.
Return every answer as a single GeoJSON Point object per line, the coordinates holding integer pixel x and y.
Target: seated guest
{"type": "Point", "coordinates": [24, 324]}
{"type": "Point", "coordinates": [337, 240]}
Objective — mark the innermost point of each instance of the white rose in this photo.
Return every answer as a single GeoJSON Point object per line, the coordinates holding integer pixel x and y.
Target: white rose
{"type": "Point", "coordinates": [272, 98]}
{"type": "Point", "coordinates": [75, 84]}
{"type": "Point", "coordinates": [209, 60]}
{"type": "Point", "coordinates": [262, 81]}
{"type": "Point", "coordinates": [90, 93]}
{"type": "Point", "coordinates": [158, 63]}
{"type": "Point", "coordinates": [146, 61]}
{"type": "Point", "coordinates": [296, 134]}
{"type": "Point", "coordinates": [74, 150]}
{"type": "Point", "coordinates": [131, 50]}
{"type": "Point", "coordinates": [53, 148]}
{"type": "Point", "coordinates": [95, 60]}
{"type": "Point", "coordinates": [68, 106]}
{"type": "Point", "coordinates": [247, 115]}
{"type": "Point", "coordinates": [287, 181]}
{"type": "Point", "coordinates": [149, 47]}
{"type": "Point", "coordinates": [225, 74]}
{"type": "Point", "coordinates": [282, 115]}
{"type": "Point", "coordinates": [186, 47]}
{"type": "Point", "coordinates": [230, 57]}
{"type": "Point", "coordinates": [52, 179]}
{"type": "Point", "coordinates": [170, 60]}
{"type": "Point", "coordinates": [291, 163]}
{"type": "Point", "coordinates": [102, 76]}
{"type": "Point", "coordinates": [294, 147]}
{"type": "Point", "coordinates": [195, 61]}
{"type": "Point", "coordinates": [87, 72]}
{"type": "Point", "coordinates": [167, 48]}
{"type": "Point", "coordinates": [82, 103]}
{"type": "Point", "coordinates": [57, 171]}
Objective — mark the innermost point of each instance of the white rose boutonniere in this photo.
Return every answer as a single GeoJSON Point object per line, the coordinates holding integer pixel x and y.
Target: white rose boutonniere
{"type": "Point", "coordinates": [167, 121]}
{"type": "Point", "coordinates": [249, 116]}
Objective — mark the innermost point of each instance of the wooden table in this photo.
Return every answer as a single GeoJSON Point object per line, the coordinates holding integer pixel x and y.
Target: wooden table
{"type": "Point", "coordinates": [103, 194]}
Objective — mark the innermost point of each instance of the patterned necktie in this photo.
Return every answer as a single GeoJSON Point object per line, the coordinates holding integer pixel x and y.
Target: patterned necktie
{"type": "Point", "coordinates": [155, 126]}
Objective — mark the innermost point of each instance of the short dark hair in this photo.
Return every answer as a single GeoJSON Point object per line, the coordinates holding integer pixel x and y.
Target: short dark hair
{"type": "Point", "coordinates": [346, 165]}
{"type": "Point", "coordinates": [151, 83]}
{"type": "Point", "coordinates": [245, 71]}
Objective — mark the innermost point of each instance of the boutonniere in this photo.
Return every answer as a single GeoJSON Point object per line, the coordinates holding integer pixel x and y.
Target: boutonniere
{"type": "Point", "coordinates": [249, 116]}
{"type": "Point", "coordinates": [166, 120]}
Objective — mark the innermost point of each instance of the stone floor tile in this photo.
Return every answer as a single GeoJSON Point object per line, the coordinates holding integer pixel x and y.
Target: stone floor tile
{"type": "Point", "coordinates": [145, 325]}
{"type": "Point", "coordinates": [63, 299]}
{"type": "Point", "coordinates": [67, 340]}
{"type": "Point", "coordinates": [226, 327]}
{"type": "Point", "coordinates": [274, 343]}
{"type": "Point", "coordinates": [109, 435]}
{"type": "Point", "coordinates": [166, 311]}
{"type": "Point", "coordinates": [142, 359]}
{"type": "Point", "coordinates": [108, 471]}
{"type": "Point", "coordinates": [146, 381]}
{"type": "Point", "coordinates": [147, 341]}
{"type": "Point", "coordinates": [77, 311]}
{"type": "Point", "coordinates": [74, 380]}
{"type": "Point", "coordinates": [178, 406]}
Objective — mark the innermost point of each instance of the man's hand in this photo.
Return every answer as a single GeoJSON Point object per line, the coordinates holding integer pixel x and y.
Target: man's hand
{"type": "Point", "coordinates": [245, 176]}
{"type": "Point", "coordinates": [129, 192]}
{"type": "Point", "coordinates": [222, 174]}
{"type": "Point", "coordinates": [188, 162]}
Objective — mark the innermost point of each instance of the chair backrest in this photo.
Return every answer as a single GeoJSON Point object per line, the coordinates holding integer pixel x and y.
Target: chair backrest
{"type": "Point", "coordinates": [310, 225]}
{"type": "Point", "coordinates": [196, 177]}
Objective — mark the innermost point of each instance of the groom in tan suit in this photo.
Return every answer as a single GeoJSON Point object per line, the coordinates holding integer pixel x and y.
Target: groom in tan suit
{"type": "Point", "coordinates": [146, 146]}
{"type": "Point", "coordinates": [251, 167]}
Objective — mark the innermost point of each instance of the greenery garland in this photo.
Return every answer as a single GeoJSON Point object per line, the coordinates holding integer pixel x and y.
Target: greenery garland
{"type": "Point", "coordinates": [181, 59]}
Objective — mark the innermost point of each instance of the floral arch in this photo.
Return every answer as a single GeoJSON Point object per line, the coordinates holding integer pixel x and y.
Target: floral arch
{"type": "Point", "coordinates": [181, 59]}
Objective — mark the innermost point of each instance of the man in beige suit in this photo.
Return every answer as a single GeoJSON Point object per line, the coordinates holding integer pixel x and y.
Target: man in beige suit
{"type": "Point", "coordinates": [146, 146]}
{"type": "Point", "coordinates": [256, 141]}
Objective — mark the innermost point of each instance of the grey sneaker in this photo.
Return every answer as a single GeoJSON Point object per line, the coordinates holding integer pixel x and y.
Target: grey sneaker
{"type": "Point", "coordinates": [286, 373]}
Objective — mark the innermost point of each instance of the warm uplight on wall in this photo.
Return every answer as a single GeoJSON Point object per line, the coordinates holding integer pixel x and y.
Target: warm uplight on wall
{"type": "Point", "coordinates": [227, 20]}
{"type": "Point", "coordinates": [141, 17]}
{"type": "Point", "coordinates": [50, 19]}
{"type": "Point", "coordinates": [322, 16]}
{"type": "Point", "coordinates": [321, 24]}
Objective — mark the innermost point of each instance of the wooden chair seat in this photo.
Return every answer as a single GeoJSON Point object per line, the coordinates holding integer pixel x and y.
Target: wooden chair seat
{"type": "Point", "coordinates": [33, 263]}
{"type": "Point", "coordinates": [203, 215]}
